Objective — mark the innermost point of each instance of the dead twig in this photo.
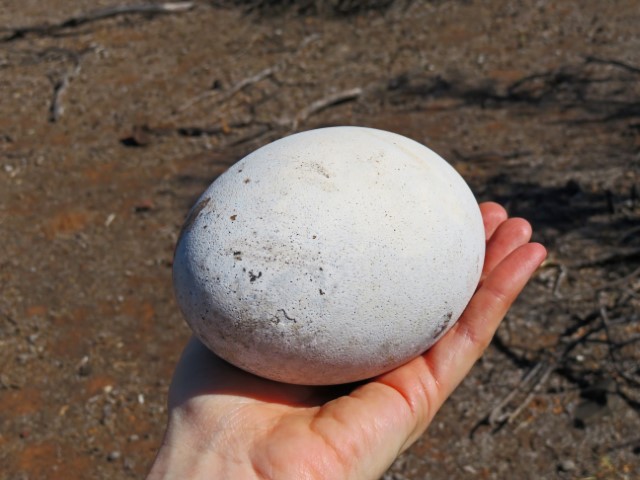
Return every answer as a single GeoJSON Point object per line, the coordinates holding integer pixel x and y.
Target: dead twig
{"type": "Point", "coordinates": [630, 234]}
{"type": "Point", "coordinates": [612, 355]}
{"type": "Point", "coordinates": [56, 109]}
{"type": "Point", "coordinates": [262, 132]}
{"type": "Point", "coordinates": [61, 82]}
{"type": "Point", "coordinates": [96, 15]}
{"type": "Point", "coordinates": [615, 63]}
{"type": "Point", "coordinates": [325, 102]}
{"type": "Point", "coordinates": [617, 446]}
{"type": "Point", "coordinates": [535, 389]}
{"type": "Point", "coordinates": [559, 280]}
{"type": "Point", "coordinates": [224, 95]}
{"type": "Point", "coordinates": [9, 319]}
{"type": "Point", "coordinates": [563, 271]}
{"type": "Point", "coordinates": [625, 343]}
{"type": "Point", "coordinates": [227, 94]}
{"type": "Point", "coordinates": [620, 281]}
{"type": "Point", "coordinates": [490, 157]}
{"type": "Point", "coordinates": [616, 257]}
{"type": "Point", "coordinates": [141, 135]}
{"type": "Point", "coordinates": [497, 415]}
{"type": "Point", "coordinates": [532, 383]}
{"type": "Point", "coordinates": [276, 125]}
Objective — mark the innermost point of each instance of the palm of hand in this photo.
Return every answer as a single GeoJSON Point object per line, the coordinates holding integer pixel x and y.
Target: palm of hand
{"type": "Point", "coordinates": [231, 424]}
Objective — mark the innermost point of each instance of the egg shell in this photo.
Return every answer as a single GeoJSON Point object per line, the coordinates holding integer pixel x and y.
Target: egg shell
{"type": "Point", "coordinates": [329, 256]}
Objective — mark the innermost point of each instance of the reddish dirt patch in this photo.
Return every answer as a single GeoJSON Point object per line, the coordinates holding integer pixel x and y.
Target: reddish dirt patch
{"type": "Point", "coordinates": [21, 402]}
{"type": "Point", "coordinates": [66, 222]}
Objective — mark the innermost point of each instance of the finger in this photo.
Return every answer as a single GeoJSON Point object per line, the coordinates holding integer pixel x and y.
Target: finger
{"type": "Point", "coordinates": [426, 382]}
{"type": "Point", "coordinates": [452, 357]}
{"type": "Point", "coordinates": [508, 236]}
{"type": "Point", "coordinates": [493, 215]}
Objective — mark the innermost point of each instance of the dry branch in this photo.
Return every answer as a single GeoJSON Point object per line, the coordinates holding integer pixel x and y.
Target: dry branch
{"type": "Point", "coordinates": [531, 384]}
{"type": "Point", "coordinates": [100, 14]}
{"type": "Point", "coordinates": [535, 389]}
{"type": "Point", "coordinates": [325, 102]}
{"type": "Point", "coordinates": [141, 135]}
{"type": "Point", "coordinates": [620, 445]}
{"type": "Point", "coordinates": [559, 280]}
{"type": "Point", "coordinates": [56, 109]}
{"type": "Point", "coordinates": [9, 319]}
{"type": "Point", "coordinates": [615, 63]}
{"type": "Point", "coordinates": [615, 257]}
{"type": "Point", "coordinates": [61, 82]}
{"type": "Point", "coordinates": [612, 351]}
{"type": "Point", "coordinates": [227, 94]}
{"type": "Point", "coordinates": [497, 414]}
{"type": "Point", "coordinates": [536, 378]}
{"type": "Point", "coordinates": [265, 128]}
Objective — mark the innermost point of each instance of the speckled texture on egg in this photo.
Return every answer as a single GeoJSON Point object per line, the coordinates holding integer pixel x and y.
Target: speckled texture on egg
{"type": "Point", "coordinates": [329, 256]}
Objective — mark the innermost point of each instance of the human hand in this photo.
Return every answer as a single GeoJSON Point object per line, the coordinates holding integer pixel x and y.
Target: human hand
{"type": "Point", "coordinates": [225, 423]}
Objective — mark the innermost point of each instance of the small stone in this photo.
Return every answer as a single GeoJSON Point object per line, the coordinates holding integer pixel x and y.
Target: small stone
{"type": "Point", "coordinates": [107, 412]}
{"type": "Point", "coordinates": [113, 456]}
{"type": "Point", "coordinates": [140, 136]}
{"type": "Point", "coordinates": [110, 218]}
{"type": "Point", "coordinates": [144, 205]}
{"type": "Point", "coordinates": [23, 358]}
{"type": "Point", "coordinates": [567, 465]}
{"type": "Point", "coordinates": [85, 370]}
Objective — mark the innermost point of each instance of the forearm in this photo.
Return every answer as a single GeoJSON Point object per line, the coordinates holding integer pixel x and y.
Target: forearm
{"type": "Point", "coordinates": [184, 455]}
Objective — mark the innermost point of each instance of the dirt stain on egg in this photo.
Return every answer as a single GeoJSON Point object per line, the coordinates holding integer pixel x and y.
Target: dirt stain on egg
{"type": "Point", "coordinates": [192, 217]}
{"type": "Point", "coordinates": [253, 277]}
{"type": "Point", "coordinates": [442, 326]}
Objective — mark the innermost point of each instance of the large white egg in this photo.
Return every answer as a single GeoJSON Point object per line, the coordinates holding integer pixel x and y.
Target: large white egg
{"type": "Point", "coordinates": [329, 256]}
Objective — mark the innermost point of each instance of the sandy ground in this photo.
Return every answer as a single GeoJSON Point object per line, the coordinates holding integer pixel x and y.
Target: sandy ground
{"type": "Point", "coordinates": [110, 129]}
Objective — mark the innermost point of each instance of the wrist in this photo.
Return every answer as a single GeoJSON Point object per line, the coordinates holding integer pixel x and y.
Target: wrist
{"type": "Point", "coordinates": [182, 457]}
